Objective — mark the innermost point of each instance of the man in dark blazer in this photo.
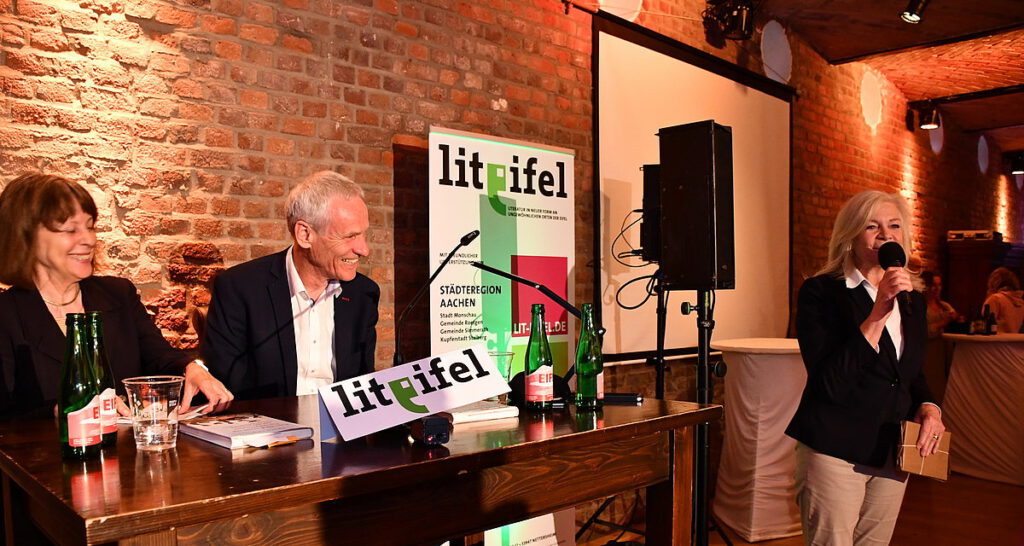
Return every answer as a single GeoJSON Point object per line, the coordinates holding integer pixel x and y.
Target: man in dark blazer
{"type": "Point", "coordinates": [288, 323]}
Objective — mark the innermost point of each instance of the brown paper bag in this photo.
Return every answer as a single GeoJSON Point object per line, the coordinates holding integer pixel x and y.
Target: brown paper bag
{"type": "Point", "coordinates": [910, 460]}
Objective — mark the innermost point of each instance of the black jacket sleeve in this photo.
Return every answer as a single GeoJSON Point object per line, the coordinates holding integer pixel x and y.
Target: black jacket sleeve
{"type": "Point", "coordinates": [370, 333]}
{"type": "Point", "coordinates": [223, 346]}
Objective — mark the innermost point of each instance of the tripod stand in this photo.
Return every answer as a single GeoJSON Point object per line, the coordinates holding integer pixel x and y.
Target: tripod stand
{"type": "Point", "coordinates": [702, 521]}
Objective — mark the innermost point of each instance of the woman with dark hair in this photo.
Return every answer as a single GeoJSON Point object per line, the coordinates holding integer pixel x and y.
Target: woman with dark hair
{"type": "Point", "coordinates": [47, 252]}
{"type": "Point", "coordinates": [940, 313]}
{"type": "Point", "coordinates": [1005, 300]}
{"type": "Point", "coordinates": [864, 355]}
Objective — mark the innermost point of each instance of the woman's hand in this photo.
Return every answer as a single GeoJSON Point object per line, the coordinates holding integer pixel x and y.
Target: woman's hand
{"type": "Point", "coordinates": [894, 281]}
{"type": "Point", "coordinates": [930, 419]}
{"type": "Point", "coordinates": [122, 407]}
{"type": "Point", "coordinates": [198, 379]}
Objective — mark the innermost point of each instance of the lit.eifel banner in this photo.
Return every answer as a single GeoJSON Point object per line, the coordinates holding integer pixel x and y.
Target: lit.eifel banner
{"type": "Point", "coordinates": [520, 196]}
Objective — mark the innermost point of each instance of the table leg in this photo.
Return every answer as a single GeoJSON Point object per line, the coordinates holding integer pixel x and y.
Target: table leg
{"type": "Point", "coordinates": [8, 535]}
{"type": "Point", "coordinates": [670, 503]}
{"type": "Point", "coordinates": [18, 527]}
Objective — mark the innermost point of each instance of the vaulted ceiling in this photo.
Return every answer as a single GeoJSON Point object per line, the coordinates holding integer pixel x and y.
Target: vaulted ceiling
{"type": "Point", "coordinates": [967, 57]}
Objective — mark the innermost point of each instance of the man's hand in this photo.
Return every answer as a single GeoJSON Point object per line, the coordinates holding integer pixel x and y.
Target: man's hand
{"type": "Point", "coordinates": [198, 379]}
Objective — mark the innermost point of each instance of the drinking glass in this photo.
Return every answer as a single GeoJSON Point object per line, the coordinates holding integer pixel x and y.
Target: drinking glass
{"type": "Point", "coordinates": [154, 403]}
{"type": "Point", "coordinates": [504, 362]}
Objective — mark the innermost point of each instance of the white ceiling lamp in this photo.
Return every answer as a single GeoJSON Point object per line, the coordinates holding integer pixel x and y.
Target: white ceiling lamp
{"type": "Point", "coordinates": [913, 12]}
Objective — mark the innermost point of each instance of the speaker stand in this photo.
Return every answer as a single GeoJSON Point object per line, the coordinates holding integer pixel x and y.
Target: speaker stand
{"type": "Point", "coordinates": [702, 457]}
{"type": "Point", "coordinates": [659, 354]}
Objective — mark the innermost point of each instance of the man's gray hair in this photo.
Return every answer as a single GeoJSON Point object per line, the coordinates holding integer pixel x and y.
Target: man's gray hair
{"type": "Point", "coordinates": [308, 201]}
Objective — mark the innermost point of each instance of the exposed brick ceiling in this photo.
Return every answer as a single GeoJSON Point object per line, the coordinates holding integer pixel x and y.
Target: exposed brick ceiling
{"type": "Point", "coordinates": [959, 48]}
{"type": "Point", "coordinates": [952, 69]}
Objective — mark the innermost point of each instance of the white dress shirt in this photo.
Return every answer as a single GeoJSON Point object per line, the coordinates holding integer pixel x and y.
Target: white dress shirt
{"type": "Point", "coordinates": [314, 331]}
{"type": "Point", "coordinates": [894, 324]}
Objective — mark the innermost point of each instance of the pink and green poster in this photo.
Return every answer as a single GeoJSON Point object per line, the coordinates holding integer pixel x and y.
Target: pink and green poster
{"type": "Point", "coordinates": [520, 196]}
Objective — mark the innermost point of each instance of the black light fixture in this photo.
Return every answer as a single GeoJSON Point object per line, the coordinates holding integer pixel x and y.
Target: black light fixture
{"type": "Point", "coordinates": [913, 12]}
{"type": "Point", "coordinates": [734, 19]}
{"type": "Point", "coordinates": [928, 117]}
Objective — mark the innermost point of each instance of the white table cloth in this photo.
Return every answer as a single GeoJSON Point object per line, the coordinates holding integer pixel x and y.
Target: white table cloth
{"type": "Point", "coordinates": [755, 494]}
{"type": "Point", "coordinates": [984, 406]}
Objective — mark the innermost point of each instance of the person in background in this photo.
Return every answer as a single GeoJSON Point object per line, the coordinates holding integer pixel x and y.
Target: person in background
{"type": "Point", "coordinates": [940, 313]}
{"type": "Point", "coordinates": [1005, 300]}
{"type": "Point", "coordinates": [290, 322]}
{"type": "Point", "coordinates": [864, 355]}
{"type": "Point", "coordinates": [47, 256]}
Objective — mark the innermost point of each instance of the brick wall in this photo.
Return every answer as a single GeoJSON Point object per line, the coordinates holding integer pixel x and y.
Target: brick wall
{"type": "Point", "coordinates": [190, 120]}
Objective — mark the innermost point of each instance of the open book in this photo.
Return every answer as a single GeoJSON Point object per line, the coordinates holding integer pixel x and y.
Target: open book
{"type": "Point", "coordinates": [245, 430]}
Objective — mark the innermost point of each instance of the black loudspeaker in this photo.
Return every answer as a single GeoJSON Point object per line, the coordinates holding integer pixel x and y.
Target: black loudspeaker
{"type": "Point", "coordinates": [650, 226]}
{"type": "Point", "coordinates": [696, 207]}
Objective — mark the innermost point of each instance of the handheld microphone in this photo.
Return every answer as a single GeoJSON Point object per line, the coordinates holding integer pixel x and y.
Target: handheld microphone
{"type": "Point", "coordinates": [891, 254]}
{"type": "Point", "coordinates": [465, 240]}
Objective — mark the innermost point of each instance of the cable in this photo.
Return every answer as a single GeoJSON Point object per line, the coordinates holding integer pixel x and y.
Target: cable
{"type": "Point", "coordinates": [628, 283]}
{"type": "Point", "coordinates": [629, 520]}
{"type": "Point", "coordinates": [632, 252]}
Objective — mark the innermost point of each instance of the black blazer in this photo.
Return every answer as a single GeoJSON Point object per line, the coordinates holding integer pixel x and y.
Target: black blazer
{"type": "Point", "coordinates": [855, 397]}
{"type": "Point", "coordinates": [249, 342]}
{"type": "Point", "coordinates": [32, 346]}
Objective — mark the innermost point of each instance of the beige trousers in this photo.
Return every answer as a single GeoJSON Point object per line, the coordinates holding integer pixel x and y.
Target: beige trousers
{"type": "Point", "coordinates": [845, 504]}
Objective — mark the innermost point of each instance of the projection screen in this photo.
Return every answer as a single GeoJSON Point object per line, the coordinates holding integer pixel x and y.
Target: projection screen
{"type": "Point", "coordinates": [645, 82]}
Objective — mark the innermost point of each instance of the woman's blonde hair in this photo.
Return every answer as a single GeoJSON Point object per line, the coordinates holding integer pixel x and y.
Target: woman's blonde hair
{"type": "Point", "coordinates": [29, 201]}
{"type": "Point", "coordinates": [850, 223]}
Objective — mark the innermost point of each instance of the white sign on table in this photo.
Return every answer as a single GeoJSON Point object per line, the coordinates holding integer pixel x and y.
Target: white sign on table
{"type": "Point", "coordinates": [373, 402]}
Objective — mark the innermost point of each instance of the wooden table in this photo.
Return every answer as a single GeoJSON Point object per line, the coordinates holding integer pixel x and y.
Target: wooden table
{"type": "Point", "coordinates": [379, 490]}
{"type": "Point", "coordinates": [984, 406]}
{"type": "Point", "coordinates": [756, 490]}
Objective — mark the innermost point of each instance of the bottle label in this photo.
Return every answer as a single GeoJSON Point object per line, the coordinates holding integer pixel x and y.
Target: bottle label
{"type": "Point", "coordinates": [108, 411]}
{"type": "Point", "coordinates": [539, 385]}
{"type": "Point", "coordinates": [600, 386]}
{"type": "Point", "coordinates": [84, 425]}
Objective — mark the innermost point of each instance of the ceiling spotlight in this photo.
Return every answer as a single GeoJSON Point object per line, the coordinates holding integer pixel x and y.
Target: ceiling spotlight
{"type": "Point", "coordinates": [929, 117]}
{"type": "Point", "coordinates": [913, 12]}
{"type": "Point", "coordinates": [1017, 163]}
{"type": "Point", "coordinates": [734, 18]}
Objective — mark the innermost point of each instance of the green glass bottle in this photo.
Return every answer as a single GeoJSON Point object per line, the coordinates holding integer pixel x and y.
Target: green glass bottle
{"type": "Point", "coordinates": [101, 368]}
{"type": "Point", "coordinates": [78, 400]}
{"type": "Point", "coordinates": [539, 364]}
{"type": "Point", "coordinates": [589, 364]}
